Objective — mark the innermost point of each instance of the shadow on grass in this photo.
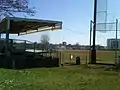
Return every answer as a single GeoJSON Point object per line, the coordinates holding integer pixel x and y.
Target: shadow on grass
{"type": "Point", "coordinates": [71, 64]}
{"type": "Point", "coordinates": [104, 66]}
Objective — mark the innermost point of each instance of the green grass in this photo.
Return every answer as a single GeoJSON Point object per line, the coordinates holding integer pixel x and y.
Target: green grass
{"type": "Point", "coordinates": [64, 78]}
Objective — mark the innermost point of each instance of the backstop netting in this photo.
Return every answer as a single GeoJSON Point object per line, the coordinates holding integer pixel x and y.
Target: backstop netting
{"type": "Point", "coordinates": [107, 39]}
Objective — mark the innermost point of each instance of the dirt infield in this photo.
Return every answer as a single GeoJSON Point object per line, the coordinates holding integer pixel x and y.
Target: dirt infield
{"type": "Point", "coordinates": [87, 51]}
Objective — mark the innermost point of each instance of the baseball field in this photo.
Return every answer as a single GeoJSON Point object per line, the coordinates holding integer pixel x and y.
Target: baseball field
{"type": "Point", "coordinates": [101, 55]}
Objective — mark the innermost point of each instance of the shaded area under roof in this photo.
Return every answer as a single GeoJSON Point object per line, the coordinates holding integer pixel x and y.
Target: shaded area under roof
{"type": "Point", "coordinates": [26, 25]}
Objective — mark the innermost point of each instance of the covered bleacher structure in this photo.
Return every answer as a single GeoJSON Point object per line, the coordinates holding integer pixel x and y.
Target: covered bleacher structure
{"type": "Point", "coordinates": [14, 54]}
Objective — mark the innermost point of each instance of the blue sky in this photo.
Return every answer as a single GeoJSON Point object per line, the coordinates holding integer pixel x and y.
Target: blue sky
{"type": "Point", "coordinates": [75, 15]}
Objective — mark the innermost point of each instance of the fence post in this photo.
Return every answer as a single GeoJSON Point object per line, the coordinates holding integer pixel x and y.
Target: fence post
{"type": "Point", "coordinates": [57, 53]}
{"type": "Point", "coordinates": [86, 60]}
{"type": "Point", "coordinates": [63, 58]}
{"type": "Point", "coordinates": [13, 63]}
{"type": "Point", "coordinates": [60, 58]}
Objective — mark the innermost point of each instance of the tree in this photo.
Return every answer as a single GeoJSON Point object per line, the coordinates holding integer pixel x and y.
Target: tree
{"type": "Point", "coordinates": [9, 7]}
{"type": "Point", "coordinates": [77, 44]}
{"type": "Point", "coordinates": [44, 41]}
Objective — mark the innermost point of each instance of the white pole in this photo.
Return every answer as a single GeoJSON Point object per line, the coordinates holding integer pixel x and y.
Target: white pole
{"type": "Point", "coordinates": [116, 44]}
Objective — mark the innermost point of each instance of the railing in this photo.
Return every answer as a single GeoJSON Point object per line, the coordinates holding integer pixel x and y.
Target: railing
{"type": "Point", "coordinates": [23, 45]}
{"type": "Point", "coordinates": [17, 45]}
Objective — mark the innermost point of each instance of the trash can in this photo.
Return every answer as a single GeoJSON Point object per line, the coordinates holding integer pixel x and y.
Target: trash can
{"type": "Point", "coordinates": [77, 60]}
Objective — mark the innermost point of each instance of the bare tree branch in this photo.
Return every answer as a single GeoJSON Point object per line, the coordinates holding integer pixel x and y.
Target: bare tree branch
{"type": "Point", "coordinates": [9, 7]}
{"type": "Point", "coordinates": [44, 41]}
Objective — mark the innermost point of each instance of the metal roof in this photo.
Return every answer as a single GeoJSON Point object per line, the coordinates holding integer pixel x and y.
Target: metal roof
{"type": "Point", "coordinates": [25, 25]}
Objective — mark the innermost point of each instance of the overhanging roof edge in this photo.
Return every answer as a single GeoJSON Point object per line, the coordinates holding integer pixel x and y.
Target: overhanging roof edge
{"type": "Point", "coordinates": [32, 20]}
{"type": "Point", "coordinates": [49, 23]}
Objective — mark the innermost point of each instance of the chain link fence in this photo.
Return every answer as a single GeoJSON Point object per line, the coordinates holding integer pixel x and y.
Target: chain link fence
{"type": "Point", "coordinates": [68, 57]}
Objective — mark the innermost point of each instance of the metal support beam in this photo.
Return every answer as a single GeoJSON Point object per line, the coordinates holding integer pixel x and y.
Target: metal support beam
{"type": "Point", "coordinates": [116, 45]}
{"type": "Point", "coordinates": [93, 51]}
{"type": "Point", "coordinates": [91, 22]}
{"type": "Point", "coordinates": [7, 37]}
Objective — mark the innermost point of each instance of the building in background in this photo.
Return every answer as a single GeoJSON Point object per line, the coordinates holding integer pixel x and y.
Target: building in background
{"type": "Point", "coordinates": [111, 43]}
{"type": "Point", "coordinates": [64, 43]}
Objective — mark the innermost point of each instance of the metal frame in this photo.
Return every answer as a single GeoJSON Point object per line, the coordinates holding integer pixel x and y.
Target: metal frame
{"type": "Point", "coordinates": [116, 46]}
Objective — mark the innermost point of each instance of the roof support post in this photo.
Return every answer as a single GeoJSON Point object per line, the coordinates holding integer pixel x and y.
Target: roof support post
{"type": "Point", "coordinates": [7, 37]}
{"type": "Point", "coordinates": [0, 35]}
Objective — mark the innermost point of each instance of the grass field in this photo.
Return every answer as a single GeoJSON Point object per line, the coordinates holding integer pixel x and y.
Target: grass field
{"type": "Point", "coordinates": [63, 78]}
{"type": "Point", "coordinates": [102, 56]}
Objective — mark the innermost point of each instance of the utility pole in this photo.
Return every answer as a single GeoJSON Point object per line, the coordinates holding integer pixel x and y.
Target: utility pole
{"type": "Point", "coordinates": [93, 51]}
